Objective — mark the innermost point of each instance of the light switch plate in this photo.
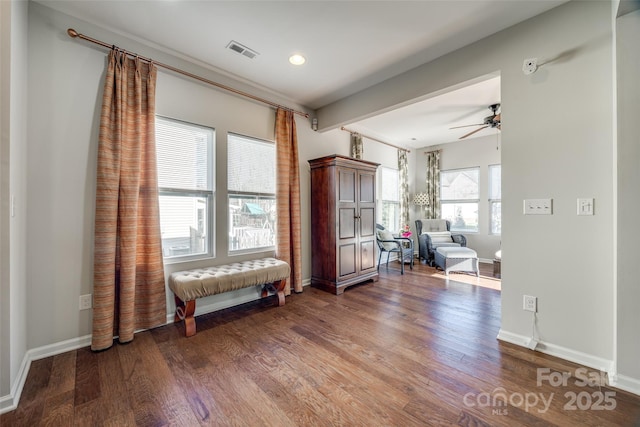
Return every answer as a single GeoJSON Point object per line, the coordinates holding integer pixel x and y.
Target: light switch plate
{"type": "Point", "coordinates": [585, 207]}
{"type": "Point", "coordinates": [538, 206]}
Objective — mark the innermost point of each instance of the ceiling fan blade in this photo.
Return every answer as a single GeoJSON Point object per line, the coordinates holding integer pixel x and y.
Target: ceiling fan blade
{"type": "Point", "coordinates": [497, 118]}
{"type": "Point", "coordinates": [466, 126]}
{"type": "Point", "coordinates": [472, 132]}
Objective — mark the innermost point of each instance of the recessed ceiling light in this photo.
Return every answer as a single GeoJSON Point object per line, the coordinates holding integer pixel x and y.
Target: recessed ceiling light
{"type": "Point", "coordinates": [297, 59]}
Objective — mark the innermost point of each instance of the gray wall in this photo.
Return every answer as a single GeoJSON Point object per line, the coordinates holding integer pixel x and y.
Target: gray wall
{"type": "Point", "coordinates": [628, 54]}
{"type": "Point", "coordinates": [13, 160]}
{"type": "Point", "coordinates": [557, 142]}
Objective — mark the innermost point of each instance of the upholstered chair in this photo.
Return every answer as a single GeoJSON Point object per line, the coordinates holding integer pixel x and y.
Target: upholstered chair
{"type": "Point", "coordinates": [433, 233]}
{"type": "Point", "coordinates": [388, 243]}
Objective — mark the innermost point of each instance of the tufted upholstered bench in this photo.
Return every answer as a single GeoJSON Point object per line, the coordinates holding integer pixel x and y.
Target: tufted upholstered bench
{"type": "Point", "coordinates": [189, 285]}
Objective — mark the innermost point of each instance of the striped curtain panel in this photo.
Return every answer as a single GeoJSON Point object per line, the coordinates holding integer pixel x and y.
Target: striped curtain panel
{"type": "Point", "coordinates": [403, 172]}
{"type": "Point", "coordinates": [433, 184]}
{"type": "Point", "coordinates": [357, 149]}
{"type": "Point", "coordinates": [288, 228]}
{"type": "Point", "coordinates": [129, 286]}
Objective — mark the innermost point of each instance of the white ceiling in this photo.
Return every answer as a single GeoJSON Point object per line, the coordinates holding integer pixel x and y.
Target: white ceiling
{"type": "Point", "coordinates": [349, 46]}
{"type": "Point", "coordinates": [429, 122]}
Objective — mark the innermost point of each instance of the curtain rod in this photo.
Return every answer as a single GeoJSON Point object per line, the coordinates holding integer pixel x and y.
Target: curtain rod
{"type": "Point", "coordinates": [374, 139]}
{"type": "Point", "coordinates": [73, 34]}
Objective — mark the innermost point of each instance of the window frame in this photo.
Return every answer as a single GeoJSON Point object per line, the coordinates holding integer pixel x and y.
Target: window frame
{"type": "Point", "coordinates": [494, 201]}
{"type": "Point", "coordinates": [208, 195]}
{"type": "Point", "coordinates": [475, 201]}
{"type": "Point", "coordinates": [250, 194]}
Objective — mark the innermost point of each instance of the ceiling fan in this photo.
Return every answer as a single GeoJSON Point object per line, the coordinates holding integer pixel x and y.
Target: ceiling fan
{"type": "Point", "coordinates": [492, 121]}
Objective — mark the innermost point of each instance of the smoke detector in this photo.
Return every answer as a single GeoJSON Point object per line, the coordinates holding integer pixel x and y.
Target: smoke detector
{"type": "Point", "coordinates": [530, 66]}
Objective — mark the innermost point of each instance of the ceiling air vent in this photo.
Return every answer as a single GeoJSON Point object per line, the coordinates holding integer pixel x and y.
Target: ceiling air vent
{"type": "Point", "coordinates": [241, 49]}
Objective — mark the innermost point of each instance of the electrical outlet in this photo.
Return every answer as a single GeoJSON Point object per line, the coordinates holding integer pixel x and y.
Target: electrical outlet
{"type": "Point", "coordinates": [85, 302]}
{"type": "Point", "coordinates": [530, 303]}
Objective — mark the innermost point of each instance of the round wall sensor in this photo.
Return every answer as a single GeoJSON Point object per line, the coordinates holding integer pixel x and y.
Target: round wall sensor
{"type": "Point", "coordinates": [530, 66]}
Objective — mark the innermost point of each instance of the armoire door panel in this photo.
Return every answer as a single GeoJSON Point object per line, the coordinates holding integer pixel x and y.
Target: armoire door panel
{"type": "Point", "coordinates": [367, 222]}
{"type": "Point", "coordinates": [347, 223]}
{"type": "Point", "coordinates": [346, 185]}
{"type": "Point", "coordinates": [367, 188]}
{"type": "Point", "coordinates": [367, 255]}
{"type": "Point", "coordinates": [347, 260]}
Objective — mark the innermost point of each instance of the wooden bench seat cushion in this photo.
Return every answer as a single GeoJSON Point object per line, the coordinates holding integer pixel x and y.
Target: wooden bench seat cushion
{"type": "Point", "coordinates": [189, 285]}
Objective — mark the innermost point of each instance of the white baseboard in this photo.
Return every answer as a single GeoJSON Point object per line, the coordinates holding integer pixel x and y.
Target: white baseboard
{"type": "Point", "coordinates": [585, 359]}
{"type": "Point", "coordinates": [625, 383]}
{"type": "Point", "coordinates": [58, 348]}
{"type": "Point", "coordinates": [10, 402]}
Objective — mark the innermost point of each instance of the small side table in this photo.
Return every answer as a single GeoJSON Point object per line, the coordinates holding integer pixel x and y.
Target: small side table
{"type": "Point", "coordinates": [497, 265]}
{"type": "Point", "coordinates": [407, 245]}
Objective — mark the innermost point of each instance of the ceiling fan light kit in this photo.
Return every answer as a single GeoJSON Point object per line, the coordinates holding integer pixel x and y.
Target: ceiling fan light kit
{"type": "Point", "coordinates": [492, 121]}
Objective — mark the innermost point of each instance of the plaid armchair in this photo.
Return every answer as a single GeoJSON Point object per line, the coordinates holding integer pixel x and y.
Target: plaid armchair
{"type": "Point", "coordinates": [433, 233]}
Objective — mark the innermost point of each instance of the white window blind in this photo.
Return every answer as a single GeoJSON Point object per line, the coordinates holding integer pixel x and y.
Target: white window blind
{"type": "Point", "coordinates": [495, 199]}
{"type": "Point", "coordinates": [459, 198]}
{"type": "Point", "coordinates": [390, 198]}
{"type": "Point", "coordinates": [251, 165]}
{"type": "Point", "coordinates": [184, 154]}
{"type": "Point", "coordinates": [251, 184]}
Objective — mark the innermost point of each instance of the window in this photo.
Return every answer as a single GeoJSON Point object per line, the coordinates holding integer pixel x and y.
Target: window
{"type": "Point", "coordinates": [390, 191]}
{"type": "Point", "coordinates": [459, 198]}
{"type": "Point", "coordinates": [185, 184]}
{"type": "Point", "coordinates": [251, 173]}
{"type": "Point", "coordinates": [495, 199]}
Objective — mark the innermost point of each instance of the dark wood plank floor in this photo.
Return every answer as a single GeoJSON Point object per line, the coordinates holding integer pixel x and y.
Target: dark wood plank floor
{"type": "Point", "coordinates": [410, 350]}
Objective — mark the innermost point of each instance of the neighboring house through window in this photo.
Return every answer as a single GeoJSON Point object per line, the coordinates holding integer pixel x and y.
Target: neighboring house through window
{"type": "Point", "coordinates": [390, 198]}
{"type": "Point", "coordinates": [495, 199]}
{"type": "Point", "coordinates": [251, 175]}
{"type": "Point", "coordinates": [186, 190]}
{"type": "Point", "coordinates": [459, 198]}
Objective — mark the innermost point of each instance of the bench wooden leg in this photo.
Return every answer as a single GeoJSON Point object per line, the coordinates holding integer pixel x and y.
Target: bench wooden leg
{"type": "Point", "coordinates": [185, 311]}
{"type": "Point", "coordinates": [279, 285]}
{"type": "Point", "coordinates": [278, 288]}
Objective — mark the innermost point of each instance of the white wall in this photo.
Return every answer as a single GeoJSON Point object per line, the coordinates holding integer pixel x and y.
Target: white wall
{"type": "Point", "coordinates": [477, 152]}
{"type": "Point", "coordinates": [18, 186]}
{"type": "Point", "coordinates": [5, 141]}
{"type": "Point", "coordinates": [628, 65]}
{"type": "Point", "coordinates": [13, 89]}
{"type": "Point", "coordinates": [557, 142]}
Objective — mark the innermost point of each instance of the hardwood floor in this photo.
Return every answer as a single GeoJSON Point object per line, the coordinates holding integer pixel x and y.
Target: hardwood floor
{"type": "Point", "coordinates": [412, 350]}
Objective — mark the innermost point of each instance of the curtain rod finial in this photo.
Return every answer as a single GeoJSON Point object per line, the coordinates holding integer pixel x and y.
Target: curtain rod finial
{"type": "Point", "coordinates": [72, 33]}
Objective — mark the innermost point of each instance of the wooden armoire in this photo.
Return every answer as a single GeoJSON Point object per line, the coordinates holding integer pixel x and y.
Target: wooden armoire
{"type": "Point", "coordinates": [343, 222]}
